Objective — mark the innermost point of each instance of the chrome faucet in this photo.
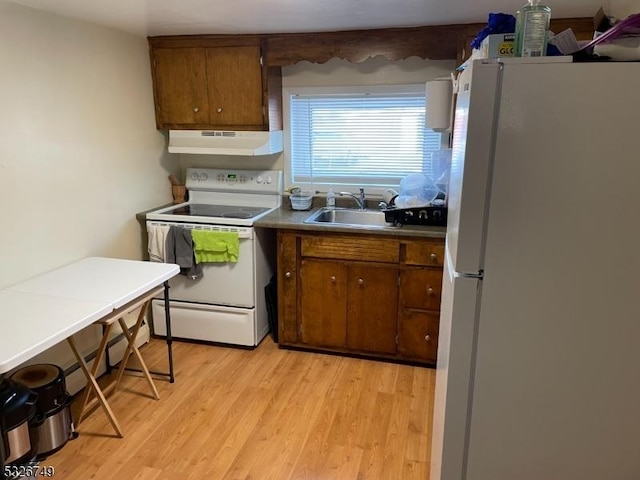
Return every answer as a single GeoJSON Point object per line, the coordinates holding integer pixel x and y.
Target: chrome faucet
{"type": "Point", "coordinates": [360, 200]}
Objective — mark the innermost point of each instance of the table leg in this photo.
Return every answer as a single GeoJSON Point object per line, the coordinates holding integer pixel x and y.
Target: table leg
{"type": "Point", "coordinates": [169, 340]}
{"type": "Point", "coordinates": [132, 348]}
{"type": "Point", "coordinates": [92, 383]}
{"type": "Point", "coordinates": [107, 357]}
{"type": "Point", "coordinates": [167, 319]}
{"type": "Point", "coordinates": [106, 330]}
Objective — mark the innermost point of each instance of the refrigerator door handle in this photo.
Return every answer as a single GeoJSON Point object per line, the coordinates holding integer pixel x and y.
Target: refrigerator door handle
{"type": "Point", "coordinates": [479, 275]}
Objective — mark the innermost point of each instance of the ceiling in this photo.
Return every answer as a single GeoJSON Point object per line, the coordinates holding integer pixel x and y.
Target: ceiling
{"type": "Point", "coordinates": [175, 17]}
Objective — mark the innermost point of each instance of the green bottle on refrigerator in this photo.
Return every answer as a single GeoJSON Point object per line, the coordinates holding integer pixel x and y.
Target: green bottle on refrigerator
{"type": "Point", "coordinates": [532, 30]}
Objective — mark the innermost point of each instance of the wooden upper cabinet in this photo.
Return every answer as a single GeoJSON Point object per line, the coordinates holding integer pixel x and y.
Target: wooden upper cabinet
{"type": "Point", "coordinates": [208, 86]}
{"type": "Point", "coordinates": [180, 86]}
{"type": "Point", "coordinates": [234, 81]}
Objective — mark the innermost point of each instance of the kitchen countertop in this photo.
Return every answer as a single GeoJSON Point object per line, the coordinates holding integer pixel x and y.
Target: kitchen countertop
{"type": "Point", "coordinates": [287, 219]}
{"type": "Point", "coordinates": [142, 216]}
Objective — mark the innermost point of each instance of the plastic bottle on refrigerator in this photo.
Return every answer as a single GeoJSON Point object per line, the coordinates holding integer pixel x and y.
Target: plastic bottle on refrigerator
{"type": "Point", "coordinates": [532, 29]}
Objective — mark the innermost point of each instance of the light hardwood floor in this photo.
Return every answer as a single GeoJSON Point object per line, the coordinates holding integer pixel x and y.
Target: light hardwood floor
{"type": "Point", "coordinates": [261, 414]}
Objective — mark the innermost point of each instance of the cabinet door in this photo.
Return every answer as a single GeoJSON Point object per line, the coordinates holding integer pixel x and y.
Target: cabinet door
{"type": "Point", "coordinates": [418, 335]}
{"type": "Point", "coordinates": [372, 310]}
{"type": "Point", "coordinates": [180, 76]}
{"type": "Point", "coordinates": [287, 288]}
{"type": "Point", "coordinates": [323, 303]}
{"type": "Point", "coordinates": [422, 288]}
{"type": "Point", "coordinates": [234, 77]}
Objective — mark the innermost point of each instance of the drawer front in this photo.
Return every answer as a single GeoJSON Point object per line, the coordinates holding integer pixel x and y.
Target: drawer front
{"type": "Point", "coordinates": [423, 253]}
{"type": "Point", "coordinates": [421, 288]}
{"type": "Point", "coordinates": [352, 248]}
{"type": "Point", "coordinates": [418, 335]}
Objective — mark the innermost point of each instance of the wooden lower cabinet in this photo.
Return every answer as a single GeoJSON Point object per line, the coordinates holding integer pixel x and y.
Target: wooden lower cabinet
{"type": "Point", "coordinates": [418, 334]}
{"type": "Point", "coordinates": [421, 288]}
{"type": "Point", "coordinates": [375, 296]}
{"type": "Point", "coordinates": [287, 288]}
{"type": "Point", "coordinates": [372, 308]}
{"type": "Point", "coordinates": [323, 304]}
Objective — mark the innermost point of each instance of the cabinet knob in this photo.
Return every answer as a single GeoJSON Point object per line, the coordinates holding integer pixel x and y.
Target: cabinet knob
{"type": "Point", "coordinates": [219, 109]}
{"type": "Point", "coordinates": [433, 257]}
{"type": "Point", "coordinates": [427, 338]}
{"type": "Point", "coordinates": [360, 281]}
{"type": "Point", "coordinates": [287, 275]}
{"type": "Point", "coordinates": [196, 109]}
{"type": "Point", "coordinates": [333, 278]}
{"type": "Point", "coordinates": [430, 291]}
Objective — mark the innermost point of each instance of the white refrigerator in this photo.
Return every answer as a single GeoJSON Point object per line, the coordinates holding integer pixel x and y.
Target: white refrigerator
{"type": "Point", "coordinates": [538, 374]}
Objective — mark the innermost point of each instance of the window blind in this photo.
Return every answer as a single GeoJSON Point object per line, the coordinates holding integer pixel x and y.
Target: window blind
{"type": "Point", "coordinates": [373, 139]}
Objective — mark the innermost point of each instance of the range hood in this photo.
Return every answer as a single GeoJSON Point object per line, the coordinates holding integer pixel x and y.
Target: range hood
{"type": "Point", "coordinates": [220, 142]}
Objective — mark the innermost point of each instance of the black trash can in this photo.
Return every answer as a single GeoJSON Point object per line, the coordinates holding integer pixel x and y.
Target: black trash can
{"type": "Point", "coordinates": [271, 297]}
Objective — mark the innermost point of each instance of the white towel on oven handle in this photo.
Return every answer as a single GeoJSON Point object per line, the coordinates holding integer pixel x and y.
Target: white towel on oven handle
{"type": "Point", "coordinates": [156, 245]}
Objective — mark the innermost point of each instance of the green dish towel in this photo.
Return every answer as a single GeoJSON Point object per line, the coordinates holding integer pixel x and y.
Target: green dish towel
{"type": "Point", "coordinates": [210, 246]}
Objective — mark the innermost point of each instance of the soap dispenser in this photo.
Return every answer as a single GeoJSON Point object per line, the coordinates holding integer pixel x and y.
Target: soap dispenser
{"type": "Point", "coordinates": [331, 198]}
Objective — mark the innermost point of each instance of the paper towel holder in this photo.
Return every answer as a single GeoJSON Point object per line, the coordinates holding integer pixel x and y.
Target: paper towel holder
{"type": "Point", "coordinates": [440, 102]}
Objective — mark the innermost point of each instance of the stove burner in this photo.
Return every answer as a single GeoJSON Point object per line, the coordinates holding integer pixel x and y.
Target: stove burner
{"type": "Point", "coordinates": [238, 215]}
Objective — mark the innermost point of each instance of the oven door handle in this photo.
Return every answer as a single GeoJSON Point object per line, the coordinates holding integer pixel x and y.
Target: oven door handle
{"type": "Point", "coordinates": [243, 232]}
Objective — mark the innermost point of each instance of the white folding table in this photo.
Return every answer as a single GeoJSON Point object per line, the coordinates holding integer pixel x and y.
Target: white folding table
{"type": "Point", "coordinates": [42, 311]}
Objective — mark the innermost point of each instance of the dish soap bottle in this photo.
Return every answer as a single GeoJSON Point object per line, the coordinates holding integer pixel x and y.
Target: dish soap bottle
{"type": "Point", "coordinates": [532, 29]}
{"type": "Point", "coordinates": [331, 198]}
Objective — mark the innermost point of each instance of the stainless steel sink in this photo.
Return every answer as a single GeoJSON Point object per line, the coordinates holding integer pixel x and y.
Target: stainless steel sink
{"type": "Point", "coordinates": [349, 217]}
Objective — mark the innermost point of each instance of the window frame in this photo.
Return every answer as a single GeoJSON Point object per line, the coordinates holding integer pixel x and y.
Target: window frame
{"type": "Point", "coordinates": [289, 91]}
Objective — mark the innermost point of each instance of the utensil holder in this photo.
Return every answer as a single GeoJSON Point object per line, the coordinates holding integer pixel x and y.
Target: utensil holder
{"type": "Point", "coordinates": [179, 192]}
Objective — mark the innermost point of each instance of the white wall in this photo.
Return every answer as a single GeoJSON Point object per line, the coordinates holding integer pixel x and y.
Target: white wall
{"type": "Point", "coordinates": [623, 8]}
{"type": "Point", "coordinates": [335, 72]}
{"type": "Point", "coordinates": [79, 151]}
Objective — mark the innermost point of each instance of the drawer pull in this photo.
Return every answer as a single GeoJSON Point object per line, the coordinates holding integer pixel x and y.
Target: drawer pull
{"type": "Point", "coordinates": [287, 275]}
{"type": "Point", "coordinates": [219, 110]}
{"type": "Point", "coordinates": [427, 338]}
{"type": "Point", "coordinates": [196, 109]}
{"type": "Point", "coordinates": [433, 257]}
{"type": "Point", "coordinates": [333, 278]}
{"type": "Point", "coordinates": [430, 291]}
{"type": "Point", "coordinates": [360, 281]}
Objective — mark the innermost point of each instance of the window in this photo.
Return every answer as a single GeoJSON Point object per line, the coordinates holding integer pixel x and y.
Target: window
{"type": "Point", "coordinates": [357, 136]}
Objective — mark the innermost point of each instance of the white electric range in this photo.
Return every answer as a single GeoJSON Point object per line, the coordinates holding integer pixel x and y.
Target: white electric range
{"type": "Point", "coordinates": [227, 303]}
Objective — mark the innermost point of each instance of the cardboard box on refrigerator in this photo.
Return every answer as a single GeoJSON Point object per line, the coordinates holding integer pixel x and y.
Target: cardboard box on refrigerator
{"type": "Point", "coordinates": [498, 45]}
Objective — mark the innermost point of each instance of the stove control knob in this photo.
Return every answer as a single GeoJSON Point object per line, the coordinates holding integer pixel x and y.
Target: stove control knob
{"type": "Point", "coordinates": [269, 179]}
{"type": "Point", "coordinates": [194, 176]}
{"type": "Point", "coordinates": [259, 179]}
{"type": "Point", "coordinates": [203, 177]}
